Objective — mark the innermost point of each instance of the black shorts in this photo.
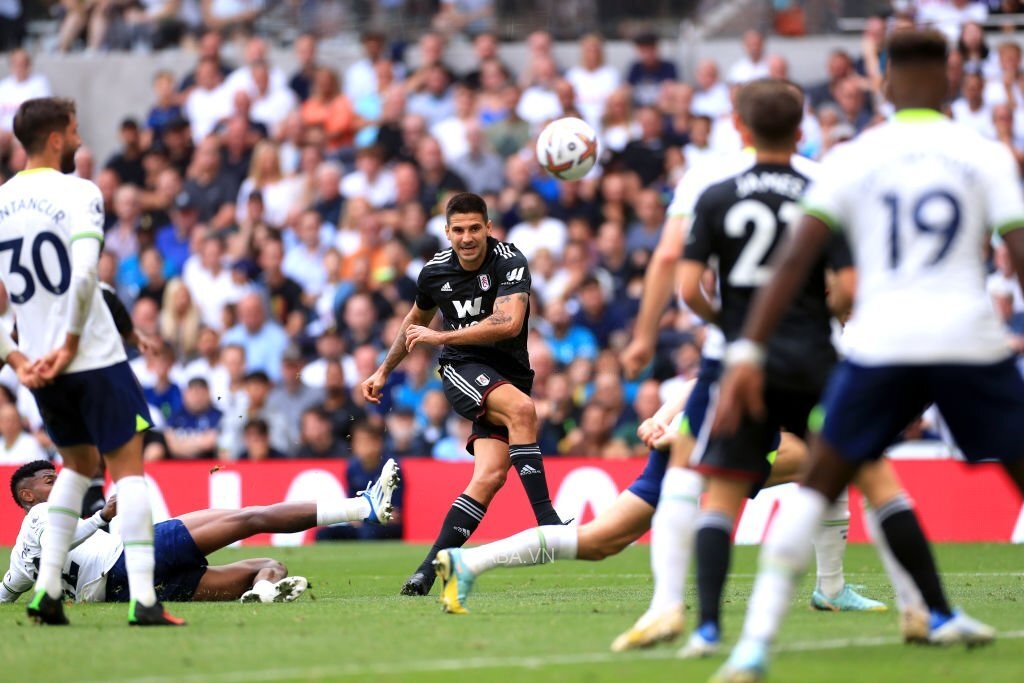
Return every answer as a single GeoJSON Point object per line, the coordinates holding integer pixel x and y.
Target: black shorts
{"type": "Point", "coordinates": [743, 455]}
{"type": "Point", "coordinates": [467, 386]}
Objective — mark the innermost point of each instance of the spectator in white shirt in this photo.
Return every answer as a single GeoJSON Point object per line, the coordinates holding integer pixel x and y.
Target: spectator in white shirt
{"type": "Point", "coordinates": [209, 101]}
{"type": "Point", "coordinates": [19, 86]}
{"type": "Point", "coordinates": [537, 230]}
{"type": "Point", "coordinates": [592, 80]}
{"type": "Point", "coordinates": [270, 105]}
{"type": "Point", "coordinates": [450, 132]}
{"type": "Point", "coordinates": [304, 262]}
{"type": "Point", "coordinates": [210, 283]}
{"type": "Point", "coordinates": [949, 16]}
{"type": "Point", "coordinates": [970, 108]}
{"type": "Point", "coordinates": [753, 65]}
{"type": "Point", "coordinates": [16, 445]}
{"type": "Point", "coordinates": [371, 180]}
{"type": "Point", "coordinates": [231, 15]}
{"type": "Point", "coordinates": [539, 102]}
{"type": "Point", "coordinates": [711, 98]}
{"type": "Point", "coordinates": [361, 77]}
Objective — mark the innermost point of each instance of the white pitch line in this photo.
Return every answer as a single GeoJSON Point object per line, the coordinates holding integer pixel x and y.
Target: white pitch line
{"type": "Point", "coordinates": [437, 665]}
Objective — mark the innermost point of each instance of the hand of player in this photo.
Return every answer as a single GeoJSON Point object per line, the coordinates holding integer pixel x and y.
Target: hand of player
{"type": "Point", "coordinates": [53, 363]}
{"type": "Point", "coordinates": [418, 334]}
{"type": "Point", "coordinates": [109, 510]}
{"type": "Point", "coordinates": [741, 393]}
{"type": "Point", "coordinates": [662, 441]}
{"type": "Point", "coordinates": [635, 357]}
{"type": "Point", "coordinates": [143, 342]}
{"type": "Point", "coordinates": [372, 386]}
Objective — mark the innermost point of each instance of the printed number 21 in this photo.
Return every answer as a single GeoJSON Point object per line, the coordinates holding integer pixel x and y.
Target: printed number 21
{"type": "Point", "coordinates": [64, 277]}
{"type": "Point", "coordinates": [946, 228]}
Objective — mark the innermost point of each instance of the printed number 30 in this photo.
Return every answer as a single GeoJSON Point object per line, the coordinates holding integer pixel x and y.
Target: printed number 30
{"type": "Point", "coordinates": [64, 264]}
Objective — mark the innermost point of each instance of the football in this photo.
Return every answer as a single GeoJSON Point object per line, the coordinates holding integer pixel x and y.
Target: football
{"type": "Point", "coordinates": [567, 148]}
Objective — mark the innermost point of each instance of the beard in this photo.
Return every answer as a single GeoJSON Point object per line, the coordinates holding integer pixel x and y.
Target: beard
{"type": "Point", "coordinates": [67, 161]}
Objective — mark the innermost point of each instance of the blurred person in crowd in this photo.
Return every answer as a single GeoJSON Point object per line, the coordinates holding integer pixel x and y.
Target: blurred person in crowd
{"type": "Point", "coordinates": [1007, 129]}
{"type": "Point", "coordinates": [977, 54]}
{"type": "Point", "coordinates": [618, 125]}
{"type": "Point", "coordinates": [605, 319]}
{"type": "Point", "coordinates": [415, 380]}
{"type": "Point", "coordinates": [174, 240]}
{"type": "Point", "coordinates": [163, 185]}
{"type": "Point", "coordinates": [753, 65]}
{"type": "Point", "coordinates": [648, 71]}
{"type": "Point", "coordinates": [230, 441]}
{"type": "Point", "coordinates": [644, 231]}
{"type": "Point", "coordinates": [179, 319]}
{"type": "Point", "coordinates": [699, 149]}
{"type": "Point", "coordinates": [539, 103]}
{"type": "Point", "coordinates": [1005, 86]}
{"type": "Point", "coordinates": [232, 16]}
{"type": "Point", "coordinates": [163, 394]}
{"type": "Point", "coordinates": [19, 85]}
{"type": "Point", "coordinates": [369, 107]}
{"type": "Point", "coordinates": [435, 177]}
{"type": "Point", "coordinates": [435, 101]}
{"type": "Point", "coordinates": [485, 47]}
{"type": "Point", "coordinates": [291, 396]}
{"type": "Point", "coordinates": [256, 445]}
{"type": "Point", "coordinates": [152, 266]}
{"type": "Point", "coordinates": [209, 47]}
{"type": "Point", "coordinates": [176, 142]}
{"type": "Point", "coordinates": [852, 101]}
{"type": "Point", "coordinates": [85, 163]}
{"type": "Point", "coordinates": [613, 257]}
{"type": "Point", "coordinates": [538, 47]}
{"type": "Point", "coordinates": [372, 180]}
{"type": "Point", "coordinates": [127, 162]}
{"type": "Point", "coordinates": [17, 446]}
{"type": "Point", "coordinates": [511, 134]}
{"type": "Point", "coordinates": [325, 309]}
{"type": "Point", "coordinates": [711, 98]}
{"type": "Point", "coordinates": [304, 262]}
{"type": "Point", "coordinates": [316, 438]}
{"type": "Point", "coordinates": [301, 81]}
{"type": "Point", "coordinates": [472, 17]}
{"type": "Point", "coordinates": [970, 109]}
{"type": "Point", "coordinates": [364, 467]}
{"type": "Point", "coordinates": [329, 201]}
{"type": "Point", "coordinates": [166, 105]}
{"type": "Point", "coordinates": [398, 133]}
{"type": "Point", "coordinates": [270, 104]}
{"type": "Point", "coordinates": [403, 438]}
{"type": "Point", "coordinates": [452, 446]}
{"type": "Point", "coordinates": [208, 102]}
{"type": "Point", "coordinates": [329, 109]}
{"type": "Point", "coordinates": [482, 169]}
{"type": "Point", "coordinates": [645, 405]}
{"type": "Point", "coordinates": [536, 228]}
{"type": "Point", "coordinates": [593, 437]}
{"type": "Point", "coordinates": [209, 282]}
{"type": "Point", "coordinates": [950, 16]}
{"type": "Point", "coordinates": [567, 340]}
{"type": "Point", "coordinates": [592, 80]}
{"type": "Point", "coordinates": [339, 406]}
{"type": "Point", "coordinates": [433, 414]}
{"type": "Point", "coordinates": [263, 339]}
{"type": "Point", "coordinates": [122, 238]}
{"type": "Point", "coordinates": [645, 153]}
{"type": "Point", "coordinates": [492, 105]}
{"type": "Point", "coordinates": [330, 348]}
{"type": "Point", "coordinates": [558, 414]}
{"type": "Point", "coordinates": [450, 132]}
{"type": "Point", "coordinates": [838, 67]}
{"type": "Point", "coordinates": [361, 75]}
{"type": "Point", "coordinates": [191, 433]}
{"type": "Point", "coordinates": [280, 193]}
{"type": "Point", "coordinates": [431, 46]}
{"type": "Point", "coordinates": [361, 324]}
{"type": "Point", "coordinates": [213, 193]}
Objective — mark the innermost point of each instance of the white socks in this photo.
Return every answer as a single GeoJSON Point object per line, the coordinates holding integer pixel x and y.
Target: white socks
{"type": "Point", "coordinates": [137, 531]}
{"type": "Point", "coordinates": [540, 545]}
{"type": "Point", "coordinates": [672, 531]}
{"type": "Point", "coordinates": [784, 556]}
{"type": "Point", "coordinates": [332, 511]}
{"type": "Point", "coordinates": [830, 546]}
{"type": "Point", "coordinates": [907, 594]}
{"type": "Point", "coordinates": [62, 518]}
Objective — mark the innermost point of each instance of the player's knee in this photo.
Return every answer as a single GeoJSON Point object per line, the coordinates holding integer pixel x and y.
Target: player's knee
{"type": "Point", "coordinates": [490, 481]}
{"type": "Point", "coordinates": [524, 414]}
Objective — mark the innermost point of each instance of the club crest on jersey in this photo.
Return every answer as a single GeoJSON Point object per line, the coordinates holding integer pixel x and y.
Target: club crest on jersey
{"type": "Point", "coordinates": [485, 281]}
{"type": "Point", "coordinates": [483, 380]}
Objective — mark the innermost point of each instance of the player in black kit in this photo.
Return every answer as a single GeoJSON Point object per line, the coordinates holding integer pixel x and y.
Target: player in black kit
{"type": "Point", "coordinates": [739, 223]}
{"type": "Point", "coordinates": [482, 287]}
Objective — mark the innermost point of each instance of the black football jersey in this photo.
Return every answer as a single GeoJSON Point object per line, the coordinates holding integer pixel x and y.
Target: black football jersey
{"type": "Point", "coordinates": [738, 224]}
{"type": "Point", "coordinates": [467, 297]}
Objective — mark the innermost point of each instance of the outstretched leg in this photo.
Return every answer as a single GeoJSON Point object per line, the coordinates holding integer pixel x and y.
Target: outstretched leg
{"type": "Point", "coordinates": [230, 581]}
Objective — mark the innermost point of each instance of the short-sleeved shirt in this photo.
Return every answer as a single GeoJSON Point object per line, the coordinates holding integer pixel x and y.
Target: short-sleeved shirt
{"type": "Point", "coordinates": [467, 297]}
{"type": "Point", "coordinates": [739, 224]}
{"type": "Point", "coordinates": [916, 198]}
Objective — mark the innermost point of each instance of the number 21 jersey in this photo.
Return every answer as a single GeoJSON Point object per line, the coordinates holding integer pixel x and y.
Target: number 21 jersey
{"type": "Point", "coordinates": [43, 211]}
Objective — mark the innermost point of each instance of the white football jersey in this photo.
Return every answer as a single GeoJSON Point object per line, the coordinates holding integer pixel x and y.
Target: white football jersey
{"type": "Point", "coordinates": [693, 184]}
{"type": "Point", "coordinates": [84, 578]}
{"type": "Point", "coordinates": [42, 211]}
{"type": "Point", "coordinates": [917, 198]}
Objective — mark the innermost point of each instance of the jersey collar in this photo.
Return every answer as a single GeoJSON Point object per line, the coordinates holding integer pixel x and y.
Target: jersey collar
{"type": "Point", "coordinates": [918, 115]}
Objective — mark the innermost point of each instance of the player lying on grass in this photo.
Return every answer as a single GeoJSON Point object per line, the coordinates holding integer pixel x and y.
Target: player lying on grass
{"type": "Point", "coordinates": [95, 569]}
{"type": "Point", "coordinates": [626, 520]}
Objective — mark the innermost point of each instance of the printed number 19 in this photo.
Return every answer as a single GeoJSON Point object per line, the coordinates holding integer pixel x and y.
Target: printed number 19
{"type": "Point", "coordinates": [946, 229]}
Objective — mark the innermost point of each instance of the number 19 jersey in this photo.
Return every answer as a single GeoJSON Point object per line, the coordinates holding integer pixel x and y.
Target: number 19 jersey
{"type": "Point", "coordinates": [917, 198]}
{"type": "Point", "coordinates": [43, 211]}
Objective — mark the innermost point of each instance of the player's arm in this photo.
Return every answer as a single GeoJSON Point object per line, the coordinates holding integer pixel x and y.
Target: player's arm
{"type": "Point", "coordinates": [14, 584]}
{"type": "Point", "coordinates": [504, 322]}
{"type": "Point", "coordinates": [657, 292]}
{"type": "Point", "coordinates": [698, 252]}
{"type": "Point", "coordinates": [1005, 206]}
{"type": "Point", "coordinates": [416, 317]}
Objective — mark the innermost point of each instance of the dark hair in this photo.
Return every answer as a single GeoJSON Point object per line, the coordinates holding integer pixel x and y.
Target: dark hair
{"type": "Point", "coordinates": [198, 382]}
{"type": "Point", "coordinates": [37, 118]}
{"type": "Point", "coordinates": [907, 48]}
{"type": "Point", "coordinates": [368, 427]}
{"type": "Point", "coordinates": [258, 425]}
{"type": "Point", "coordinates": [27, 471]}
{"type": "Point", "coordinates": [465, 202]}
{"type": "Point", "coordinates": [772, 111]}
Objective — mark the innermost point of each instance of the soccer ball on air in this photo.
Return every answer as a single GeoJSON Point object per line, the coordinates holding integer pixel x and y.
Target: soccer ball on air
{"type": "Point", "coordinates": [567, 148]}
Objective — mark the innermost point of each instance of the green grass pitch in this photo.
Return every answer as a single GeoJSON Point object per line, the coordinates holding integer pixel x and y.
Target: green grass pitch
{"type": "Point", "coordinates": [551, 623]}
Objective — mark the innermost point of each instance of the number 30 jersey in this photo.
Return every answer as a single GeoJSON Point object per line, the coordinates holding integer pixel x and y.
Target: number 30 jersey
{"type": "Point", "coordinates": [917, 198]}
{"type": "Point", "coordinates": [43, 211]}
{"type": "Point", "coordinates": [739, 224]}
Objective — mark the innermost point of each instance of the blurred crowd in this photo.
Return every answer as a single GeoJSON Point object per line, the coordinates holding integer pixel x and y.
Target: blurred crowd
{"type": "Point", "coordinates": [265, 229]}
